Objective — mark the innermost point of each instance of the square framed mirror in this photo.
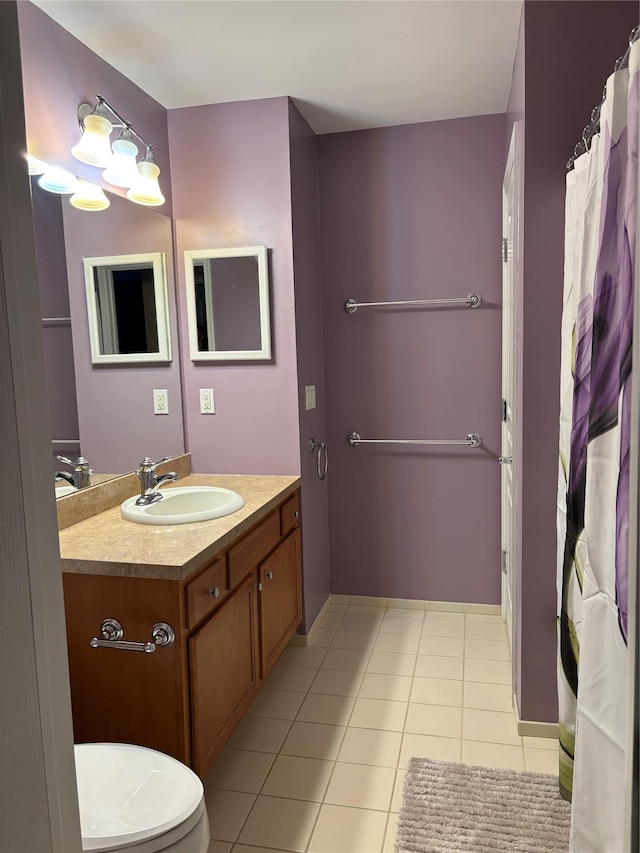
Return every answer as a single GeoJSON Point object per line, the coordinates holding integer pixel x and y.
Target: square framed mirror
{"type": "Point", "coordinates": [228, 304]}
{"type": "Point", "coordinates": [127, 308]}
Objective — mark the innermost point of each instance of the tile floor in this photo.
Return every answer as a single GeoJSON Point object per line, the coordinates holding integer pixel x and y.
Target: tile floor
{"type": "Point", "coordinates": [317, 763]}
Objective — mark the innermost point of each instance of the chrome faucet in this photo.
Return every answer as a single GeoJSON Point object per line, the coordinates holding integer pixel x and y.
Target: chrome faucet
{"type": "Point", "coordinates": [149, 483]}
{"type": "Point", "coordinates": [80, 478]}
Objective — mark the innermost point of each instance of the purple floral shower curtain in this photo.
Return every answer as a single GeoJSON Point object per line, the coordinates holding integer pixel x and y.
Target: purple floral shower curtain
{"type": "Point", "coordinates": [593, 491]}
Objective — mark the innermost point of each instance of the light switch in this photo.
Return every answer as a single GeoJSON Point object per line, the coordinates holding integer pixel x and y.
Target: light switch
{"type": "Point", "coordinates": [310, 397]}
{"type": "Point", "coordinates": [160, 401]}
{"type": "Point", "coordinates": [207, 403]}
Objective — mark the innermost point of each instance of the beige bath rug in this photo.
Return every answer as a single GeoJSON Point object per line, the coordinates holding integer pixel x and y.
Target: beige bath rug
{"type": "Point", "coordinates": [455, 808]}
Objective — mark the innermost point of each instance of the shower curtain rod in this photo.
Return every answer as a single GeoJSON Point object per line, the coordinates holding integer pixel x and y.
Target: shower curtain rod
{"type": "Point", "coordinates": [593, 127]}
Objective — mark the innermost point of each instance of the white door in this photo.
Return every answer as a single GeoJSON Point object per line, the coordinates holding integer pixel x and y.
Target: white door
{"type": "Point", "coordinates": [508, 455]}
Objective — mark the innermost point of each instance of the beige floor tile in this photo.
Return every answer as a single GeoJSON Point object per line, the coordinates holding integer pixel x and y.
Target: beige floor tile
{"type": "Point", "coordinates": [227, 812]}
{"type": "Point", "coordinates": [492, 726]}
{"type": "Point", "coordinates": [306, 656]}
{"type": "Point", "coordinates": [261, 734]}
{"type": "Point", "coordinates": [405, 604]}
{"type": "Point", "coordinates": [379, 714]}
{"type": "Point", "coordinates": [280, 823]}
{"type": "Point", "coordinates": [323, 637]}
{"type": "Point", "coordinates": [239, 770]}
{"type": "Point", "coordinates": [443, 628]}
{"type": "Point", "coordinates": [298, 778]}
{"type": "Point", "coordinates": [345, 639]}
{"type": "Point", "coordinates": [366, 604]}
{"type": "Point", "coordinates": [339, 607]}
{"type": "Point", "coordinates": [488, 619]}
{"type": "Point", "coordinates": [488, 671]}
{"type": "Point", "coordinates": [442, 646]}
{"type": "Point", "coordinates": [449, 615]}
{"type": "Point", "coordinates": [487, 649]}
{"type": "Point", "coordinates": [294, 678]}
{"type": "Point", "coordinates": [405, 643]}
{"type": "Point", "coordinates": [370, 746]}
{"type": "Point", "coordinates": [337, 682]}
{"type": "Point", "coordinates": [550, 743]}
{"type": "Point", "coordinates": [440, 720]}
{"type": "Point", "coordinates": [362, 621]}
{"type": "Point", "coordinates": [339, 599]}
{"type": "Point", "coordinates": [279, 704]}
{"type": "Point", "coordinates": [439, 666]}
{"type": "Point", "coordinates": [541, 761]}
{"type": "Point", "coordinates": [492, 755]}
{"type": "Point", "coordinates": [332, 618]}
{"type": "Point", "coordinates": [313, 740]}
{"type": "Point", "coordinates": [246, 848]}
{"type": "Point", "coordinates": [428, 746]}
{"type": "Point", "coordinates": [391, 663]}
{"type": "Point", "coordinates": [377, 685]}
{"type": "Point", "coordinates": [353, 660]}
{"type": "Point", "coordinates": [487, 697]}
{"type": "Point", "coordinates": [398, 789]}
{"type": "Point", "coordinates": [390, 834]}
{"type": "Point", "coordinates": [344, 830]}
{"type": "Point", "coordinates": [437, 691]}
{"type": "Point", "coordinates": [220, 847]}
{"type": "Point", "coordinates": [402, 622]}
{"type": "Point", "coordinates": [320, 708]}
{"type": "Point", "coordinates": [496, 631]}
{"type": "Point", "coordinates": [361, 786]}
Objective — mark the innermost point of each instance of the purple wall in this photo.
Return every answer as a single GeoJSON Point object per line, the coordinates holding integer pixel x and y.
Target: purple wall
{"type": "Point", "coordinates": [231, 187]}
{"type": "Point", "coordinates": [569, 52]}
{"type": "Point", "coordinates": [306, 268]}
{"type": "Point", "coordinates": [413, 212]}
{"type": "Point", "coordinates": [115, 404]}
{"type": "Point", "coordinates": [59, 73]}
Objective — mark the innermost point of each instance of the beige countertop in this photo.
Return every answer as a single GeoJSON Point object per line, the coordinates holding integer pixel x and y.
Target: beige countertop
{"type": "Point", "coordinates": [106, 544]}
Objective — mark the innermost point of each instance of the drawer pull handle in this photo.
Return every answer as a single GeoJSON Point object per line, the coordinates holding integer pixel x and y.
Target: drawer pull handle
{"type": "Point", "coordinates": [214, 592]}
{"type": "Point", "coordinates": [295, 514]}
{"type": "Point", "coordinates": [269, 575]}
{"type": "Point", "coordinates": [112, 633]}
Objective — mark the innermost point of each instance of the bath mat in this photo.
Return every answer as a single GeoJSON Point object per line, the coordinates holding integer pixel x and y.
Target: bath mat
{"type": "Point", "coordinates": [456, 808]}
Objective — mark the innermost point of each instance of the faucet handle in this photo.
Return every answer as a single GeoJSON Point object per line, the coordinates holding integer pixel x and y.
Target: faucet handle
{"type": "Point", "coordinates": [65, 460]}
{"type": "Point", "coordinates": [147, 465]}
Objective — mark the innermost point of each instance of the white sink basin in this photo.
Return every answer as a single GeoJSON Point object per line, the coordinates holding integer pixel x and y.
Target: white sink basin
{"type": "Point", "coordinates": [184, 504]}
{"type": "Point", "coordinates": [67, 489]}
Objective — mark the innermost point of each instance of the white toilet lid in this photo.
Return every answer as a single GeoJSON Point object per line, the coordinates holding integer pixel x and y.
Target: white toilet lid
{"type": "Point", "coordinates": [130, 793]}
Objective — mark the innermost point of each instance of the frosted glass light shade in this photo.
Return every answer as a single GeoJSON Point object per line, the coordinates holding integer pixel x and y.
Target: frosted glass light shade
{"type": "Point", "coordinates": [36, 167]}
{"type": "Point", "coordinates": [94, 146]}
{"type": "Point", "coordinates": [123, 171]}
{"type": "Point", "coordinates": [89, 196]}
{"type": "Point", "coordinates": [57, 180]}
{"type": "Point", "coordinates": [146, 189]}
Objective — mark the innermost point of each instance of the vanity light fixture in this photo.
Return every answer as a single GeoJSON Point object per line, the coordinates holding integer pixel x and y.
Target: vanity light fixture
{"type": "Point", "coordinates": [36, 167]}
{"type": "Point", "coordinates": [56, 180]}
{"type": "Point", "coordinates": [89, 196]}
{"type": "Point", "coordinates": [119, 161]}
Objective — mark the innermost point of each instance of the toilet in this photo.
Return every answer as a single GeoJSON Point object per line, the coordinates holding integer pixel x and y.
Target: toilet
{"type": "Point", "coordinates": [138, 800]}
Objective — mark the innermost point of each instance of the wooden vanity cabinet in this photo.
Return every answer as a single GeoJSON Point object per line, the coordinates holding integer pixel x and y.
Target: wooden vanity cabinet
{"type": "Point", "coordinates": [232, 618]}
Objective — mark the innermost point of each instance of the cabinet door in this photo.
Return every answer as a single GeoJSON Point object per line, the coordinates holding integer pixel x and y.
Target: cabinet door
{"type": "Point", "coordinates": [224, 672]}
{"type": "Point", "coordinates": [280, 600]}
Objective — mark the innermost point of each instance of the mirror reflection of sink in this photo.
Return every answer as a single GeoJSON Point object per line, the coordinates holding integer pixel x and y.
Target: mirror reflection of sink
{"type": "Point", "coordinates": [184, 504]}
{"type": "Point", "coordinates": [67, 489]}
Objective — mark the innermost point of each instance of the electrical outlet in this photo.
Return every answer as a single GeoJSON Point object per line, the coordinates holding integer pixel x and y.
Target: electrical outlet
{"type": "Point", "coordinates": [160, 401]}
{"type": "Point", "coordinates": [207, 404]}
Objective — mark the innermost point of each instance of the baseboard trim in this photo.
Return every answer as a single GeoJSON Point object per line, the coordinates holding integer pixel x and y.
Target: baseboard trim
{"type": "Point", "coordinates": [531, 728]}
{"type": "Point", "coordinates": [307, 639]}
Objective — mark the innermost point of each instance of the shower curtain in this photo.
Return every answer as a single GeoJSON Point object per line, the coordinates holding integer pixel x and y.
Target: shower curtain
{"type": "Point", "coordinates": [593, 488]}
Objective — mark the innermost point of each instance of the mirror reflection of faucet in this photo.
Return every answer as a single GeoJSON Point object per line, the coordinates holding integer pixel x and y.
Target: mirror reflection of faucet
{"type": "Point", "coordinates": [149, 483]}
{"type": "Point", "coordinates": [80, 478]}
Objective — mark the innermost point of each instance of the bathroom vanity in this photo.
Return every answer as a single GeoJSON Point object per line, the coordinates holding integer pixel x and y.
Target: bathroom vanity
{"type": "Point", "coordinates": [229, 588]}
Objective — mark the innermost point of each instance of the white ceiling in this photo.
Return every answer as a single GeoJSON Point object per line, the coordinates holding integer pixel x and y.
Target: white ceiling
{"type": "Point", "coordinates": [348, 64]}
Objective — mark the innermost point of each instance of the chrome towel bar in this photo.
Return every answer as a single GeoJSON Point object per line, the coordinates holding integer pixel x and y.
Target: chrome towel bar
{"type": "Point", "coordinates": [472, 440]}
{"type": "Point", "coordinates": [472, 300]}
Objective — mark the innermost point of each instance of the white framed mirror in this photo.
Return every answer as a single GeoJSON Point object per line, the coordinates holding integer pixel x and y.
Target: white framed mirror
{"type": "Point", "coordinates": [127, 308]}
{"type": "Point", "coordinates": [228, 304]}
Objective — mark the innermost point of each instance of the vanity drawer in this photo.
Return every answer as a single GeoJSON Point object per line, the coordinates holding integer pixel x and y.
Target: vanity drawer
{"type": "Point", "coordinates": [289, 514]}
{"type": "Point", "coordinates": [205, 592]}
{"type": "Point", "coordinates": [253, 548]}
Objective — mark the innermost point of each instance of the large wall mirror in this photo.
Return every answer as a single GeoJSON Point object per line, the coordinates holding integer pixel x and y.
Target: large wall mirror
{"type": "Point", "coordinates": [127, 309]}
{"type": "Point", "coordinates": [228, 304]}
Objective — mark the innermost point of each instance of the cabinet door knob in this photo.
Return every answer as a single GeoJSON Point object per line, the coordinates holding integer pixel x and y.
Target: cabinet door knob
{"type": "Point", "coordinates": [269, 575]}
{"type": "Point", "coordinates": [214, 592]}
{"type": "Point", "coordinates": [295, 514]}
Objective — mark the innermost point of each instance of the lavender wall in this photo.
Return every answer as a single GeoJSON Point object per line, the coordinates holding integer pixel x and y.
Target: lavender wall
{"type": "Point", "coordinates": [231, 187]}
{"type": "Point", "coordinates": [115, 404]}
{"type": "Point", "coordinates": [413, 212]}
{"type": "Point", "coordinates": [308, 293]}
{"type": "Point", "coordinates": [569, 52]}
{"type": "Point", "coordinates": [59, 73]}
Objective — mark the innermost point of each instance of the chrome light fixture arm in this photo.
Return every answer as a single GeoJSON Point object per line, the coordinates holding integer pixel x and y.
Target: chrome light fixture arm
{"type": "Point", "coordinates": [100, 108]}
